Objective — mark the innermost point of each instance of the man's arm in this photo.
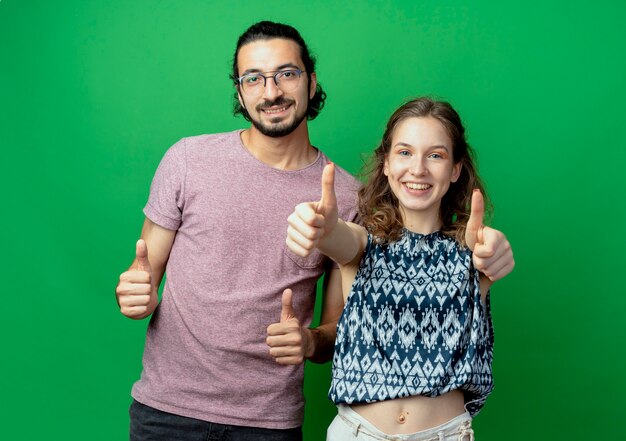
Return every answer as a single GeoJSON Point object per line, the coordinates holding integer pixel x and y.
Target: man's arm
{"type": "Point", "coordinates": [137, 290]}
{"type": "Point", "coordinates": [322, 338]}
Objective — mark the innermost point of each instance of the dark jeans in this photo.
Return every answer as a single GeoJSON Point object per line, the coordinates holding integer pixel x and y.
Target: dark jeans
{"type": "Point", "coordinates": [149, 424]}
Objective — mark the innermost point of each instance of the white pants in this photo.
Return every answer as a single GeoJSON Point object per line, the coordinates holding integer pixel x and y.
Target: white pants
{"type": "Point", "coordinates": [350, 426]}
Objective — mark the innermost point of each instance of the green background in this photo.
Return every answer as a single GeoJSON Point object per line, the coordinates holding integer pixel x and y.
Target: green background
{"type": "Point", "coordinates": [92, 93]}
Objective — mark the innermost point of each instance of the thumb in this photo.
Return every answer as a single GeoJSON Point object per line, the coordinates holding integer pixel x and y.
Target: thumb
{"type": "Point", "coordinates": [141, 255]}
{"type": "Point", "coordinates": [328, 202]}
{"type": "Point", "coordinates": [474, 228]}
{"type": "Point", "coordinates": [286, 313]}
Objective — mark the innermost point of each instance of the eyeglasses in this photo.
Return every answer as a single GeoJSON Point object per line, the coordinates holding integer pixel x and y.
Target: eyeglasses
{"type": "Point", "coordinates": [254, 83]}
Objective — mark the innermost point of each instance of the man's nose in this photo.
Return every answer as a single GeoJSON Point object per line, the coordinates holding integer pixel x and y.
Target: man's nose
{"type": "Point", "coordinates": [271, 91]}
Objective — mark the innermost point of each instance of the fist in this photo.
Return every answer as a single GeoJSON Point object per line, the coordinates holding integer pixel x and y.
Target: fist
{"type": "Point", "coordinates": [492, 253]}
{"type": "Point", "coordinates": [287, 340]}
{"type": "Point", "coordinates": [135, 291]}
{"type": "Point", "coordinates": [312, 221]}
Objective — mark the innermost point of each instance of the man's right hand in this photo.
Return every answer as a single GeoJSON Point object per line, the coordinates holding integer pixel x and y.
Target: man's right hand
{"type": "Point", "coordinates": [136, 292]}
{"type": "Point", "coordinates": [312, 221]}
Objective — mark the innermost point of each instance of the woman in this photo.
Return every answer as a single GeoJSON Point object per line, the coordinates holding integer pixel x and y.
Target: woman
{"type": "Point", "coordinates": [414, 344]}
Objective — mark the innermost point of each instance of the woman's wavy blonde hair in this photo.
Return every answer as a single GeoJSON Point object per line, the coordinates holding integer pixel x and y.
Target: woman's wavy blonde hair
{"type": "Point", "coordinates": [378, 206]}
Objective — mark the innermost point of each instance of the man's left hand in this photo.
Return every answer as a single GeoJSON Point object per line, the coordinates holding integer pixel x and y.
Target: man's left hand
{"type": "Point", "coordinates": [288, 341]}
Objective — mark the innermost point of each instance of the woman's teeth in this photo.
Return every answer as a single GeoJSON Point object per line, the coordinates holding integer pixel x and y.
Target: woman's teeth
{"type": "Point", "coordinates": [414, 186]}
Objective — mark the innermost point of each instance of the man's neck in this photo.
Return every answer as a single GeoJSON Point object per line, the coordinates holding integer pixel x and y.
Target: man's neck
{"type": "Point", "coordinates": [291, 152]}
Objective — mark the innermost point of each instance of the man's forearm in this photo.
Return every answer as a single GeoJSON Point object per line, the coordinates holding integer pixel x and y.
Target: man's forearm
{"type": "Point", "coordinates": [321, 343]}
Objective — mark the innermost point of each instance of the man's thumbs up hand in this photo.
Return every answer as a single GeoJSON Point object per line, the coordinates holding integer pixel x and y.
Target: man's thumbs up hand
{"type": "Point", "coordinates": [141, 257]}
{"type": "Point", "coordinates": [135, 290]}
{"type": "Point", "coordinates": [287, 339]}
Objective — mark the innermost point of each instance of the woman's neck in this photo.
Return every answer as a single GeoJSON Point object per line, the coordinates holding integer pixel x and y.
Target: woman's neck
{"type": "Point", "coordinates": [422, 223]}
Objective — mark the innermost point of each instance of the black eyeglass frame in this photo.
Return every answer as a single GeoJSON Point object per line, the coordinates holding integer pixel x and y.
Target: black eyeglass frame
{"type": "Point", "coordinates": [298, 72]}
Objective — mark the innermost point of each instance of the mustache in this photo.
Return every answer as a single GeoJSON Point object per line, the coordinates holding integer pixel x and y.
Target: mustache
{"type": "Point", "coordinates": [277, 102]}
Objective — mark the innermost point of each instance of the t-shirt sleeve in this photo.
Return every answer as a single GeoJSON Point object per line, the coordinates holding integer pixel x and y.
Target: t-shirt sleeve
{"type": "Point", "coordinates": [353, 215]}
{"type": "Point", "coordinates": [351, 211]}
{"type": "Point", "coordinates": [165, 203]}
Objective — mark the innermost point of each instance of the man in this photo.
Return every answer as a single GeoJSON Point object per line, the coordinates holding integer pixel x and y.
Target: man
{"type": "Point", "coordinates": [217, 205]}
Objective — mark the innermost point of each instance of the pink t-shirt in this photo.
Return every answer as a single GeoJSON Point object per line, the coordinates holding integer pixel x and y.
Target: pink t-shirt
{"type": "Point", "coordinates": [205, 355]}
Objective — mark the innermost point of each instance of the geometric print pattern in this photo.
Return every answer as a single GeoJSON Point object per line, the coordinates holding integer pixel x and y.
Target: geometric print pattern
{"type": "Point", "coordinates": [414, 324]}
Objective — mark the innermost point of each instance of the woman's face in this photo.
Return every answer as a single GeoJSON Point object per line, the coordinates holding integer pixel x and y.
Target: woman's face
{"type": "Point", "coordinates": [420, 168]}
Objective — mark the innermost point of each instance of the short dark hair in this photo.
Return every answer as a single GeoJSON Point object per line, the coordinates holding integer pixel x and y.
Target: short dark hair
{"type": "Point", "coordinates": [266, 30]}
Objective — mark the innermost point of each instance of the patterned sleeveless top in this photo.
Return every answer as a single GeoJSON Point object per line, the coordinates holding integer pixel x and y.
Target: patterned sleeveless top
{"type": "Point", "coordinates": [414, 324]}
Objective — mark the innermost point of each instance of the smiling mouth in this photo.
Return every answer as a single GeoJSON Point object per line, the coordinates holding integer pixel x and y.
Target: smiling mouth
{"type": "Point", "coordinates": [414, 186]}
{"type": "Point", "coordinates": [271, 111]}
{"type": "Point", "coordinates": [275, 107]}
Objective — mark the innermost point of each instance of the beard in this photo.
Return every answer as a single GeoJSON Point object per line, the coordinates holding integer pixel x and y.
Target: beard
{"type": "Point", "coordinates": [277, 129]}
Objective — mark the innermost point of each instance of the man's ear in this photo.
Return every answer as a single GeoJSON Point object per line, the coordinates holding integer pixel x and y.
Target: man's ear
{"type": "Point", "coordinates": [240, 98]}
{"type": "Point", "coordinates": [312, 85]}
